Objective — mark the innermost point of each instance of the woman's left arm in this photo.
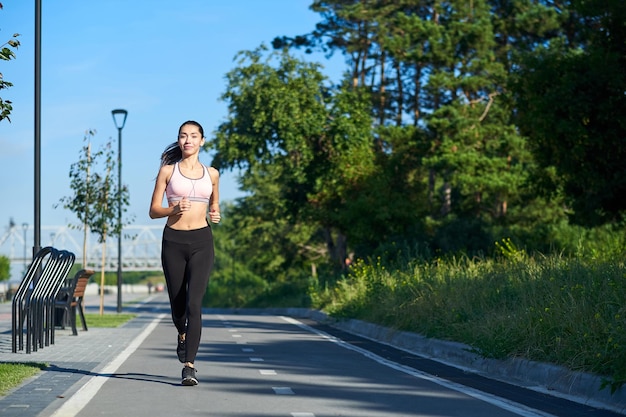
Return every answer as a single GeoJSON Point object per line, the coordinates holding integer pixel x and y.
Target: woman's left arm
{"type": "Point", "coordinates": [214, 203]}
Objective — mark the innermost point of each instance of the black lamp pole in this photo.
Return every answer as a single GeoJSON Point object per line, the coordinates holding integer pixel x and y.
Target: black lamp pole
{"type": "Point", "coordinates": [37, 188]}
{"type": "Point", "coordinates": [119, 118]}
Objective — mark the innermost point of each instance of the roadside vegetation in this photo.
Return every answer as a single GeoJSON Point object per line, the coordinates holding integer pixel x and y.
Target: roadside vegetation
{"type": "Point", "coordinates": [108, 320]}
{"type": "Point", "coordinates": [12, 374]}
{"type": "Point", "coordinates": [549, 308]}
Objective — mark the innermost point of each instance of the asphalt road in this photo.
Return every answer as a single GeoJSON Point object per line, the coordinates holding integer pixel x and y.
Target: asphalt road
{"type": "Point", "coordinates": [265, 365]}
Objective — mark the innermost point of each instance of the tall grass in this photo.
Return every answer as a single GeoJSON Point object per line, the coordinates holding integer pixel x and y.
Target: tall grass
{"type": "Point", "coordinates": [546, 308]}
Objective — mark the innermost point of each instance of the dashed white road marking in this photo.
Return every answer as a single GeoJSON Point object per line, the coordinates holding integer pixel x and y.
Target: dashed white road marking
{"type": "Point", "coordinates": [267, 372]}
{"type": "Point", "coordinates": [257, 360]}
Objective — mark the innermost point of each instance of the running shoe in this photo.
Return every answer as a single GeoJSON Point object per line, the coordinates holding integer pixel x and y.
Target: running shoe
{"type": "Point", "coordinates": [189, 376]}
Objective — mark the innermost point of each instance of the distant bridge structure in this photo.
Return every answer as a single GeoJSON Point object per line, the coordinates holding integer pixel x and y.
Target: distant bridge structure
{"type": "Point", "coordinates": [141, 247]}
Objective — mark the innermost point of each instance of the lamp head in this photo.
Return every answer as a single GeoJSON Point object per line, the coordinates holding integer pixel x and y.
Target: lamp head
{"type": "Point", "coordinates": [119, 117]}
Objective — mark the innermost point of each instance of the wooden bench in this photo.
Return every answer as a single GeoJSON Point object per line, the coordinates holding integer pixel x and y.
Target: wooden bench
{"type": "Point", "coordinates": [70, 299]}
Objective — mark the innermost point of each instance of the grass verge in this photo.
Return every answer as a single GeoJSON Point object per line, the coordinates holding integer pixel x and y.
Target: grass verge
{"type": "Point", "coordinates": [569, 312]}
{"type": "Point", "coordinates": [13, 374]}
{"type": "Point", "coordinates": [108, 320]}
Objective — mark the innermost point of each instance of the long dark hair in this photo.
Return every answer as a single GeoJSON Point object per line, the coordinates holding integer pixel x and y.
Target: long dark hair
{"type": "Point", "coordinates": [172, 152]}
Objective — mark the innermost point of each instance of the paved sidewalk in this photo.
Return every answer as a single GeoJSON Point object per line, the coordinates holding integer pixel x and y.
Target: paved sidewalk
{"type": "Point", "coordinates": [72, 357]}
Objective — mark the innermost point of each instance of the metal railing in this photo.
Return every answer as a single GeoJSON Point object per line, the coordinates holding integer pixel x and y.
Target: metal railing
{"type": "Point", "coordinates": [33, 305]}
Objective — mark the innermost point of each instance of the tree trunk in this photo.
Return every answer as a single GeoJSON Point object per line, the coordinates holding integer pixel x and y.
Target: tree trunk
{"type": "Point", "coordinates": [431, 189]}
{"type": "Point", "coordinates": [400, 98]}
{"type": "Point", "coordinates": [381, 102]}
{"type": "Point", "coordinates": [416, 99]}
{"type": "Point", "coordinates": [104, 249]}
{"type": "Point", "coordinates": [446, 207]}
{"type": "Point", "coordinates": [86, 224]}
{"type": "Point", "coordinates": [337, 251]}
{"type": "Point", "coordinates": [342, 250]}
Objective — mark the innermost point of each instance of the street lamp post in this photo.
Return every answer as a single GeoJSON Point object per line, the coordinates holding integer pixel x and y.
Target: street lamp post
{"type": "Point", "coordinates": [25, 229]}
{"type": "Point", "coordinates": [37, 188]}
{"type": "Point", "coordinates": [119, 118]}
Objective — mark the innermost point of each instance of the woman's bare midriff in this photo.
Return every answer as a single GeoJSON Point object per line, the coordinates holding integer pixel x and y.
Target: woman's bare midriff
{"type": "Point", "coordinates": [194, 218]}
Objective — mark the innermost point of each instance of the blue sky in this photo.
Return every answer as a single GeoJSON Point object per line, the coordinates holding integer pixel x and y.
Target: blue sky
{"type": "Point", "coordinates": [163, 61]}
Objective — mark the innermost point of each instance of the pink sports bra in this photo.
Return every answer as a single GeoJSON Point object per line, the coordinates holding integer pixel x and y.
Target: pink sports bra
{"type": "Point", "coordinates": [198, 189]}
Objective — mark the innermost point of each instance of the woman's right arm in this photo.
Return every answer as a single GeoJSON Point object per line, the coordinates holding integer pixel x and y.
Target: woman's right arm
{"type": "Point", "coordinates": [156, 206]}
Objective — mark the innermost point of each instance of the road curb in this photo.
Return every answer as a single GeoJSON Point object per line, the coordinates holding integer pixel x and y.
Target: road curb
{"type": "Point", "coordinates": [583, 388]}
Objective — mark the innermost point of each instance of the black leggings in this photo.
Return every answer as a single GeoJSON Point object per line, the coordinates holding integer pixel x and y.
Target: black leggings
{"type": "Point", "coordinates": [187, 257]}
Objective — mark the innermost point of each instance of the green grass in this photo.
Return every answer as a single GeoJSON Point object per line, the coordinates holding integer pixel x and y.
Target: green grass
{"type": "Point", "coordinates": [107, 320]}
{"type": "Point", "coordinates": [566, 311]}
{"type": "Point", "coordinates": [13, 374]}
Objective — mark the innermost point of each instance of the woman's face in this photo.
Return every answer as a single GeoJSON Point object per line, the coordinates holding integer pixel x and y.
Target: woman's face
{"type": "Point", "coordinates": [190, 139]}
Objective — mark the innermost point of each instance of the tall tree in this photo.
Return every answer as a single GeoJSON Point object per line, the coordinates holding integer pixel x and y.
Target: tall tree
{"type": "Point", "coordinates": [476, 157]}
{"type": "Point", "coordinates": [439, 71]}
{"type": "Point", "coordinates": [301, 146]}
{"type": "Point", "coordinates": [571, 102]}
{"type": "Point", "coordinates": [274, 133]}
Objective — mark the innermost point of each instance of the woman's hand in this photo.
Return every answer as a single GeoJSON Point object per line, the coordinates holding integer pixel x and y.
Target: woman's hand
{"type": "Point", "coordinates": [214, 216]}
{"type": "Point", "coordinates": [183, 205]}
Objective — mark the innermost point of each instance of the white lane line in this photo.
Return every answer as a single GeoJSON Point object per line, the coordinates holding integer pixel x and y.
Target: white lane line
{"type": "Point", "coordinates": [80, 399]}
{"type": "Point", "coordinates": [283, 391]}
{"type": "Point", "coordinates": [267, 372]}
{"type": "Point", "coordinates": [257, 360]}
{"type": "Point", "coordinates": [499, 402]}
